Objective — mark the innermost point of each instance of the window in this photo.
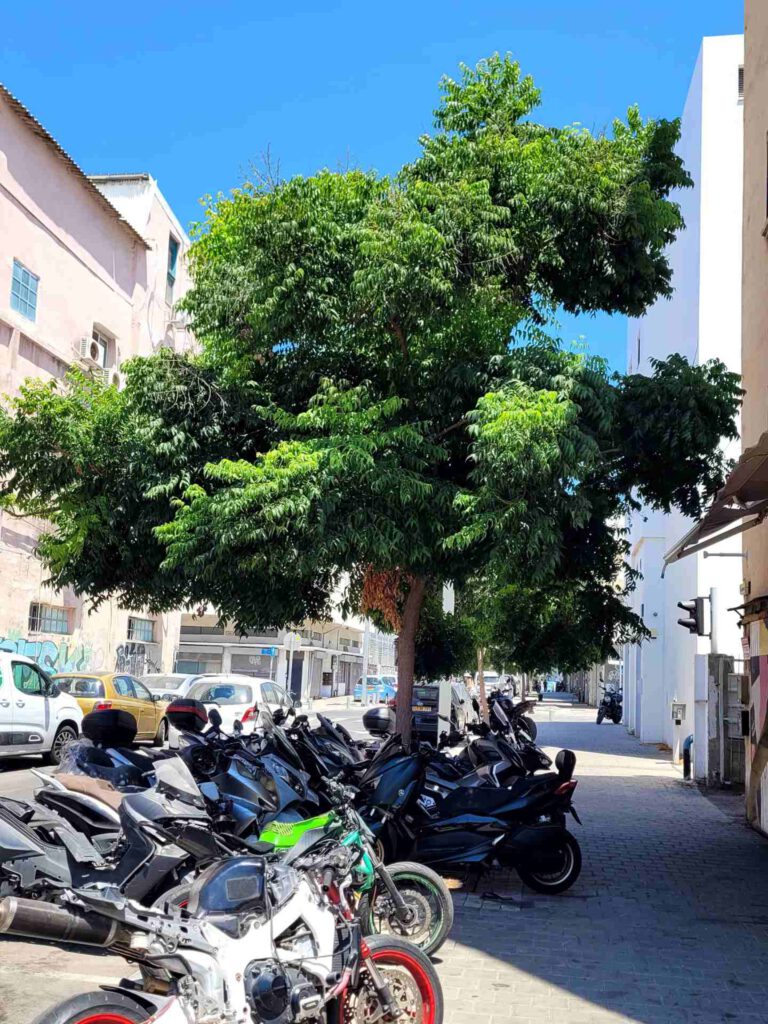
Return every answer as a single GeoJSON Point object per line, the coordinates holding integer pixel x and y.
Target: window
{"type": "Point", "coordinates": [46, 618]}
{"type": "Point", "coordinates": [140, 690]}
{"type": "Point", "coordinates": [173, 259]}
{"type": "Point", "coordinates": [221, 693]}
{"type": "Point", "coordinates": [24, 291]}
{"type": "Point", "coordinates": [81, 686]}
{"type": "Point", "coordinates": [741, 84]}
{"type": "Point", "coordinates": [141, 629]}
{"type": "Point", "coordinates": [123, 686]}
{"type": "Point", "coordinates": [29, 679]}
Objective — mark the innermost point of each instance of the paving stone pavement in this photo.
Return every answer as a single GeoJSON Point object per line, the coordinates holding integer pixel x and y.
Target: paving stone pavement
{"type": "Point", "coordinates": [668, 921]}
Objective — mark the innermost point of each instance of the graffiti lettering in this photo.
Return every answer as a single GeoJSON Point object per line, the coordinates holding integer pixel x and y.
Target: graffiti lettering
{"type": "Point", "coordinates": [134, 658]}
{"type": "Point", "coordinates": [55, 656]}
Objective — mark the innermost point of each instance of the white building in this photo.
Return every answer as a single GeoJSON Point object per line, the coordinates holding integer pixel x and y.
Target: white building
{"type": "Point", "coordinates": [701, 321]}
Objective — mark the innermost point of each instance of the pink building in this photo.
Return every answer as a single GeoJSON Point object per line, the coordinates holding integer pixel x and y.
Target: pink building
{"type": "Point", "coordinates": [90, 272]}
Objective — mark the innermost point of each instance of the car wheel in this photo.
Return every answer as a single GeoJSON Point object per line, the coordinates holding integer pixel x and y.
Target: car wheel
{"type": "Point", "coordinates": [161, 735]}
{"type": "Point", "coordinates": [65, 734]}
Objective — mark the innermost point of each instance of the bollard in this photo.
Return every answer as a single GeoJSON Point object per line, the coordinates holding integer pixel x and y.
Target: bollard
{"type": "Point", "coordinates": [687, 756]}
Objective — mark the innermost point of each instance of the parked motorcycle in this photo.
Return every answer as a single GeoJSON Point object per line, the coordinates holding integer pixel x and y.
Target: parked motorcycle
{"type": "Point", "coordinates": [610, 706]}
{"type": "Point", "coordinates": [448, 823]}
{"type": "Point", "coordinates": [258, 941]}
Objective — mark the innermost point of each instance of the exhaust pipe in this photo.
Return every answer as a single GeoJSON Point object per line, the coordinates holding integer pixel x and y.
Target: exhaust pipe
{"type": "Point", "coordinates": [36, 920]}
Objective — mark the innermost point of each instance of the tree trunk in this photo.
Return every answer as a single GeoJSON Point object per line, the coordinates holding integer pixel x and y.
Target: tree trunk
{"type": "Point", "coordinates": [406, 656]}
{"type": "Point", "coordinates": [481, 683]}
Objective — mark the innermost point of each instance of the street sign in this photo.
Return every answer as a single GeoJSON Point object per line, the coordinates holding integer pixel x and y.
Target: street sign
{"type": "Point", "coordinates": [269, 652]}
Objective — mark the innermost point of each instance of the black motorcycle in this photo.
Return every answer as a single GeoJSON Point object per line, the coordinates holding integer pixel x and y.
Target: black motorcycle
{"type": "Point", "coordinates": [447, 823]}
{"type": "Point", "coordinates": [610, 706]}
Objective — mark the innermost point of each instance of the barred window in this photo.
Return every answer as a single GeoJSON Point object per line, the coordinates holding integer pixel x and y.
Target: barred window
{"type": "Point", "coordinates": [141, 629]}
{"type": "Point", "coordinates": [47, 618]}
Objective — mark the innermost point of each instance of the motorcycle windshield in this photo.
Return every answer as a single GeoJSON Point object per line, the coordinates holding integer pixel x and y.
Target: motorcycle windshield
{"type": "Point", "coordinates": [173, 778]}
{"type": "Point", "coordinates": [500, 717]}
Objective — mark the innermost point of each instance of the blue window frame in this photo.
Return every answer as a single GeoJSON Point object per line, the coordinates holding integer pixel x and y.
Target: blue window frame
{"type": "Point", "coordinates": [24, 290]}
{"type": "Point", "coordinates": [173, 258]}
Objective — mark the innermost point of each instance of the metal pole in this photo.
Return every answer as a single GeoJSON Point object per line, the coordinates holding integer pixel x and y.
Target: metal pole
{"type": "Point", "coordinates": [366, 637]}
{"type": "Point", "coordinates": [714, 614]}
{"type": "Point", "coordinates": [291, 645]}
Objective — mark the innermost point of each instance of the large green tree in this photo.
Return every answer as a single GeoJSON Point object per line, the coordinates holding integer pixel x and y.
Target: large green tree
{"type": "Point", "coordinates": [376, 405]}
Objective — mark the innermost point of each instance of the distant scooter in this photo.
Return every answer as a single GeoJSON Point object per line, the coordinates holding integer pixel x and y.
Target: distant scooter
{"type": "Point", "coordinates": [610, 705]}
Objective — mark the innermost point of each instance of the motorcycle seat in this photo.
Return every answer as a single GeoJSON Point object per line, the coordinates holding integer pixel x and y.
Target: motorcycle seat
{"type": "Point", "coordinates": [99, 789]}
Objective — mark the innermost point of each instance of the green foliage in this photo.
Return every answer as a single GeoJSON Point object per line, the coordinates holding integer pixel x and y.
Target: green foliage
{"type": "Point", "coordinates": [375, 389]}
{"type": "Point", "coordinates": [445, 643]}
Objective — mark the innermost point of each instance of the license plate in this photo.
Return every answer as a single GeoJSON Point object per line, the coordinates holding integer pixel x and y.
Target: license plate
{"type": "Point", "coordinates": [421, 707]}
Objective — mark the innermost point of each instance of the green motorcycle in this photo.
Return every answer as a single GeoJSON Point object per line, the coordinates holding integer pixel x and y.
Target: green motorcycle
{"type": "Point", "coordinates": [405, 899]}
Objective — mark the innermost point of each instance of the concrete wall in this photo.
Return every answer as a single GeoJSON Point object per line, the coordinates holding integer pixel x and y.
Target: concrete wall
{"type": "Point", "coordinates": [755, 352]}
{"type": "Point", "coordinates": [94, 272]}
{"type": "Point", "coordinates": [701, 321]}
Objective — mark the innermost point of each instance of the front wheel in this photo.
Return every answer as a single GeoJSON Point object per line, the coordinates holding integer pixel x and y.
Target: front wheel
{"type": "Point", "coordinates": [161, 735]}
{"type": "Point", "coordinates": [96, 1008]}
{"type": "Point", "coordinates": [561, 867]}
{"type": "Point", "coordinates": [425, 895]}
{"type": "Point", "coordinates": [600, 715]}
{"type": "Point", "coordinates": [530, 727]}
{"type": "Point", "coordinates": [412, 981]}
{"type": "Point", "coordinates": [64, 735]}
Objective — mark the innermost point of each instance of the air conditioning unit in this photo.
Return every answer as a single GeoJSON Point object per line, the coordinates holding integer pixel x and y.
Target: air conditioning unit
{"type": "Point", "coordinates": [109, 377]}
{"type": "Point", "coordinates": [92, 352]}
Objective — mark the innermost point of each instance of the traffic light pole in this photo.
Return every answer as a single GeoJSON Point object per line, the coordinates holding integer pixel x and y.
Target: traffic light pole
{"type": "Point", "coordinates": [714, 614]}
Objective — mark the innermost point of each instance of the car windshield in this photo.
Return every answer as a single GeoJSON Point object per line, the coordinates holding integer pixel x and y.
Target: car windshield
{"type": "Point", "coordinates": [221, 693]}
{"type": "Point", "coordinates": [166, 683]}
{"type": "Point", "coordinates": [81, 686]}
{"type": "Point", "coordinates": [389, 680]}
{"type": "Point", "coordinates": [424, 693]}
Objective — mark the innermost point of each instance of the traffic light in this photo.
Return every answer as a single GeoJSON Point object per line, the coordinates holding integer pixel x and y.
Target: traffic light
{"type": "Point", "coordinates": [696, 609]}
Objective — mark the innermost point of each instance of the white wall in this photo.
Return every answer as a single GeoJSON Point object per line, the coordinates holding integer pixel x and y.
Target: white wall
{"type": "Point", "coordinates": [701, 321]}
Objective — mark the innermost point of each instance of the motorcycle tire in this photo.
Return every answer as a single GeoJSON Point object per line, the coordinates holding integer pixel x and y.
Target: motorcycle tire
{"type": "Point", "coordinates": [529, 727]}
{"type": "Point", "coordinates": [411, 977]}
{"type": "Point", "coordinates": [600, 715]}
{"type": "Point", "coordinates": [96, 1008]}
{"type": "Point", "coordinates": [426, 895]}
{"type": "Point", "coordinates": [553, 882]}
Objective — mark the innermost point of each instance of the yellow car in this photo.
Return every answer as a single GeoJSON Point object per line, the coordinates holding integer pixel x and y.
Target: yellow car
{"type": "Point", "coordinates": [96, 691]}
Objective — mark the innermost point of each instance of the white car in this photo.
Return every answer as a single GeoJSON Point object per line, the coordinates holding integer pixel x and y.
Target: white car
{"type": "Point", "coordinates": [237, 698]}
{"type": "Point", "coordinates": [170, 685]}
{"type": "Point", "coordinates": [35, 715]}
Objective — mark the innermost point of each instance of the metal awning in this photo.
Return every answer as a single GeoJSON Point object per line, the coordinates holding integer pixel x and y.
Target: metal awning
{"type": "Point", "coordinates": [741, 504]}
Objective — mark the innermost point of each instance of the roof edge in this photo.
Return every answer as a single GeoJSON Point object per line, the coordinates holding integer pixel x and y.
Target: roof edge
{"type": "Point", "coordinates": [42, 132]}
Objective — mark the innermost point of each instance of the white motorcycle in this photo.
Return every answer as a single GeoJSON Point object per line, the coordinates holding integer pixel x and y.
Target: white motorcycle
{"type": "Point", "coordinates": [260, 942]}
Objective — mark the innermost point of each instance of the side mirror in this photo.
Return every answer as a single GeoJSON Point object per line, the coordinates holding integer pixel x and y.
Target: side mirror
{"type": "Point", "coordinates": [214, 718]}
{"type": "Point", "coordinates": [237, 728]}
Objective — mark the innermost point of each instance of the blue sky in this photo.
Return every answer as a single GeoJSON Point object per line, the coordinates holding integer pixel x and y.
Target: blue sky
{"type": "Point", "coordinates": [193, 92]}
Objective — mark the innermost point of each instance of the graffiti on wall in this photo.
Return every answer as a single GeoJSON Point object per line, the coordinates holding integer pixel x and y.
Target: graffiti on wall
{"type": "Point", "coordinates": [134, 658]}
{"type": "Point", "coordinates": [65, 655]}
{"type": "Point", "coordinates": [73, 654]}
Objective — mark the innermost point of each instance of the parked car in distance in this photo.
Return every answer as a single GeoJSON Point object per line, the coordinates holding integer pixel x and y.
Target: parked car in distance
{"type": "Point", "coordinates": [424, 706]}
{"type": "Point", "coordinates": [36, 716]}
{"type": "Point", "coordinates": [381, 688]}
{"type": "Point", "coordinates": [238, 698]}
{"type": "Point", "coordinates": [170, 685]}
{"type": "Point", "coordinates": [100, 691]}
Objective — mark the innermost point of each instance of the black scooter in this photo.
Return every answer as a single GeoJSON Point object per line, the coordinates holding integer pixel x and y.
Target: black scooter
{"type": "Point", "coordinates": [445, 823]}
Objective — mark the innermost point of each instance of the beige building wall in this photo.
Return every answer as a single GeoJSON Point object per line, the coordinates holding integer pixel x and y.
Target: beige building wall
{"type": "Point", "coordinates": [100, 252]}
{"type": "Point", "coordinates": [755, 267]}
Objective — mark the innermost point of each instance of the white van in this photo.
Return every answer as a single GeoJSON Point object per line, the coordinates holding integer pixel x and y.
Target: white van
{"type": "Point", "coordinates": [36, 717]}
